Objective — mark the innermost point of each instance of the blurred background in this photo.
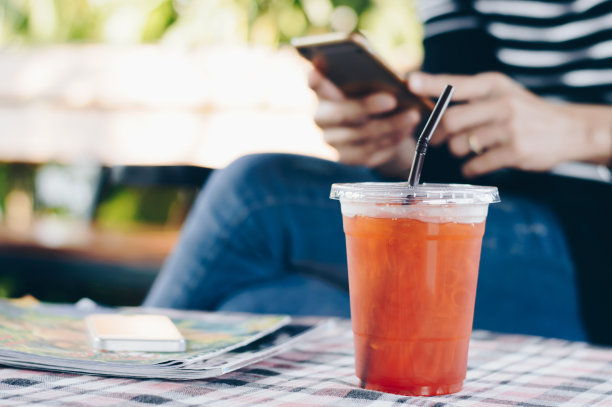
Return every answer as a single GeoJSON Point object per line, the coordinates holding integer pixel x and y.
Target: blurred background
{"type": "Point", "coordinates": [113, 112]}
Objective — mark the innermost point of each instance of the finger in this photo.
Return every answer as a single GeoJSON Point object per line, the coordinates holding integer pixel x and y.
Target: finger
{"type": "Point", "coordinates": [466, 117]}
{"type": "Point", "coordinates": [473, 114]}
{"type": "Point", "coordinates": [395, 138]}
{"type": "Point", "coordinates": [381, 156]}
{"type": "Point", "coordinates": [353, 111]}
{"type": "Point", "coordinates": [485, 137]}
{"type": "Point", "coordinates": [356, 154]}
{"type": "Point", "coordinates": [401, 123]}
{"type": "Point", "coordinates": [491, 160]}
{"type": "Point", "coordinates": [440, 135]}
{"type": "Point", "coordinates": [467, 87]}
{"type": "Point", "coordinates": [323, 87]}
{"type": "Point", "coordinates": [369, 154]}
{"type": "Point", "coordinates": [374, 129]}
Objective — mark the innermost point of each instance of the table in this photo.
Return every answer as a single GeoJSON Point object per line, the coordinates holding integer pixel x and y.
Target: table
{"type": "Point", "coordinates": [503, 370]}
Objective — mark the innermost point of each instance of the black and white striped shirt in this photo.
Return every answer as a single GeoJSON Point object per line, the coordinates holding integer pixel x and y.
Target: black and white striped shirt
{"type": "Point", "coordinates": [557, 49]}
{"type": "Point", "coordinates": [560, 50]}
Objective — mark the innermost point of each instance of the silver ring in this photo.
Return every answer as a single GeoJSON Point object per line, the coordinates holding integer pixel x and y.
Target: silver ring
{"type": "Point", "coordinates": [474, 145]}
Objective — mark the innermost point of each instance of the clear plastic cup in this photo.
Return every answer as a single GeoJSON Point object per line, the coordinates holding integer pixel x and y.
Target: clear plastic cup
{"type": "Point", "coordinates": [413, 256]}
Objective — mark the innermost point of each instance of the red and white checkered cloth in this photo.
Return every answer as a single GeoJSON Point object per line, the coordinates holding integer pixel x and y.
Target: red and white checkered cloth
{"type": "Point", "coordinates": [503, 370]}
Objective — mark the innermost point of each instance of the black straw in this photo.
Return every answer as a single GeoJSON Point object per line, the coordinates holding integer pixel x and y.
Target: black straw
{"type": "Point", "coordinates": [428, 130]}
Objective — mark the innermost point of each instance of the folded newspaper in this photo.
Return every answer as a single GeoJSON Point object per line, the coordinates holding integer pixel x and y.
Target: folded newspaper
{"type": "Point", "coordinates": [36, 335]}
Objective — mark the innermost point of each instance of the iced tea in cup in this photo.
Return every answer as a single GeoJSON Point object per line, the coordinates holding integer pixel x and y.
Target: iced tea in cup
{"type": "Point", "coordinates": [413, 255]}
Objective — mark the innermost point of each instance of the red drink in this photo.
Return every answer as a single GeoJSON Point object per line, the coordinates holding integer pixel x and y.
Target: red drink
{"type": "Point", "coordinates": [413, 256]}
{"type": "Point", "coordinates": [413, 287]}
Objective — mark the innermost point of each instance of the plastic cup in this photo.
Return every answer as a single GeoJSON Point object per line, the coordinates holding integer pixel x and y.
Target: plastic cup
{"type": "Point", "coordinates": [413, 255]}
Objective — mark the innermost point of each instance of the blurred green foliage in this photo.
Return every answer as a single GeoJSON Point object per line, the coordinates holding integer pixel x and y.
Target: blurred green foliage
{"type": "Point", "coordinates": [391, 23]}
{"type": "Point", "coordinates": [5, 185]}
{"type": "Point", "coordinates": [7, 286]}
{"type": "Point", "coordinates": [114, 206]}
{"type": "Point", "coordinates": [127, 207]}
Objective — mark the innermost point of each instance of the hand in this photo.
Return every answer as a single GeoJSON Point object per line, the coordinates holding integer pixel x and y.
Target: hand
{"type": "Point", "coordinates": [514, 128]}
{"type": "Point", "coordinates": [359, 131]}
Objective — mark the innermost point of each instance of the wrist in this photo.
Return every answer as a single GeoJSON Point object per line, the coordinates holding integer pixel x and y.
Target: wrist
{"type": "Point", "coordinates": [597, 141]}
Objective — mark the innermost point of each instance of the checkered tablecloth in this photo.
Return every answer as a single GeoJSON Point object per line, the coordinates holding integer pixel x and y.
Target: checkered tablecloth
{"type": "Point", "coordinates": [503, 370]}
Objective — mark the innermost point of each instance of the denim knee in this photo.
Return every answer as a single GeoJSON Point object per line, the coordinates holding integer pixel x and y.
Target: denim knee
{"type": "Point", "coordinates": [255, 166]}
{"type": "Point", "coordinates": [265, 177]}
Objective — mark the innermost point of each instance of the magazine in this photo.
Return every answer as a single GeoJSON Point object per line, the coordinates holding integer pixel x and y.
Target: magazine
{"type": "Point", "coordinates": [36, 335]}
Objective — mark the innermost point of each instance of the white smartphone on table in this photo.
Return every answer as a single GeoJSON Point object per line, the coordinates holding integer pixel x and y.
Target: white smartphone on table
{"type": "Point", "coordinates": [137, 333]}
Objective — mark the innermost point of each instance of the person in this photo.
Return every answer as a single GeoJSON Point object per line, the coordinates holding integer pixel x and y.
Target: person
{"type": "Point", "coordinates": [534, 85]}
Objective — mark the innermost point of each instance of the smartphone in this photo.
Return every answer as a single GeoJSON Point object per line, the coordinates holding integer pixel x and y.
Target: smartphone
{"type": "Point", "coordinates": [136, 333]}
{"type": "Point", "coordinates": [351, 64]}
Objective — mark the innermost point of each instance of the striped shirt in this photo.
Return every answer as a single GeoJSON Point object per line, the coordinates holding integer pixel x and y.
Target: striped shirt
{"type": "Point", "coordinates": [560, 50]}
{"type": "Point", "coordinates": [557, 49]}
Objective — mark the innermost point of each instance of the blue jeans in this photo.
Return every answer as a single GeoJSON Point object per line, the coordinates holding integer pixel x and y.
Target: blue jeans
{"type": "Point", "coordinates": [263, 236]}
